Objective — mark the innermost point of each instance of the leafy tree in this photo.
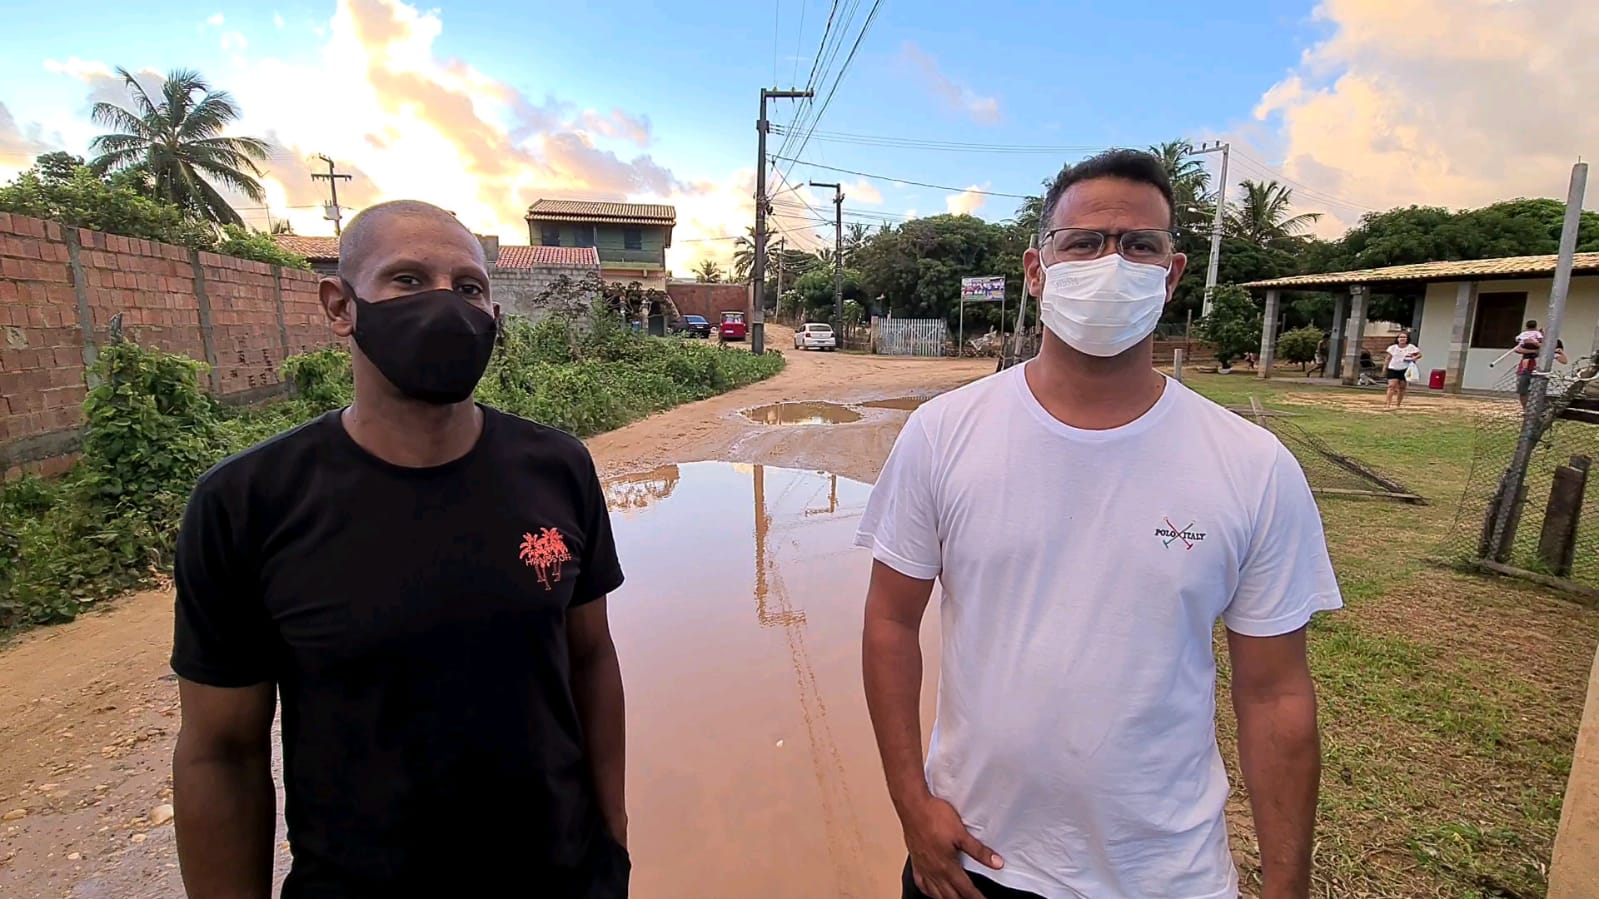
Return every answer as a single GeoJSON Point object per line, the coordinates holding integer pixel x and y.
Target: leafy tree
{"type": "Point", "coordinates": [244, 243]}
{"type": "Point", "coordinates": [815, 291]}
{"type": "Point", "coordinates": [1190, 185]}
{"type": "Point", "coordinates": [1299, 345]}
{"type": "Point", "coordinates": [856, 234]}
{"type": "Point", "coordinates": [1264, 214]}
{"type": "Point", "coordinates": [1233, 326]}
{"type": "Point", "coordinates": [82, 199]}
{"type": "Point", "coordinates": [177, 145]}
{"type": "Point", "coordinates": [917, 266]}
{"type": "Point", "coordinates": [708, 271]}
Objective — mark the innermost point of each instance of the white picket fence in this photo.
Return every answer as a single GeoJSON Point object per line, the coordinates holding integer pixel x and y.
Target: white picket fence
{"type": "Point", "coordinates": [911, 336]}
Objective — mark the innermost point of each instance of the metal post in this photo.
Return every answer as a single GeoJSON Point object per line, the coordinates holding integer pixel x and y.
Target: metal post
{"type": "Point", "coordinates": [758, 314]}
{"type": "Point", "coordinates": [782, 247]}
{"type": "Point", "coordinates": [1177, 364]}
{"type": "Point", "coordinates": [332, 178]}
{"type": "Point", "coordinates": [1511, 486]}
{"type": "Point", "coordinates": [1215, 228]}
{"type": "Point", "coordinates": [1021, 312]}
{"type": "Point", "coordinates": [838, 251]}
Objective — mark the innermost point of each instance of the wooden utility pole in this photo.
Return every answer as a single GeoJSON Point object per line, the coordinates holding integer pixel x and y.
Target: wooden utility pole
{"type": "Point", "coordinates": [333, 178]}
{"type": "Point", "coordinates": [758, 314]}
{"type": "Point", "coordinates": [838, 252]}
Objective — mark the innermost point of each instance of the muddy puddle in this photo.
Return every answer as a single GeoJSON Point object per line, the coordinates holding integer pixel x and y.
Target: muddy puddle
{"type": "Point", "coordinates": [898, 403]}
{"type": "Point", "coordinates": [803, 414]}
{"type": "Point", "coordinates": [738, 631]}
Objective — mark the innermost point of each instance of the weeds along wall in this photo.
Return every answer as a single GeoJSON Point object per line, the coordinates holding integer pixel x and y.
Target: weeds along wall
{"type": "Point", "coordinates": [60, 289]}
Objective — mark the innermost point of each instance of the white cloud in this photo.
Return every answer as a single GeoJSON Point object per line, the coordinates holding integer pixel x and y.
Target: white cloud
{"type": "Point", "coordinates": [216, 20]}
{"type": "Point", "coordinates": [910, 214]}
{"type": "Point", "coordinates": [234, 41]}
{"type": "Point", "coordinates": [980, 109]}
{"type": "Point", "coordinates": [967, 202]}
{"type": "Point", "coordinates": [862, 191]}
{"type": "Point", "coordinates": [1439, 102]}
{"type": "Point", "coordinates": [277, 20]}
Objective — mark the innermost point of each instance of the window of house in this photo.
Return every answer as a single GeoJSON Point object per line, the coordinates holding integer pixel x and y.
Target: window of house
{"type": "Point", "coordinates": [550, 235]}
{"type": "Point", "coordinates": [583, 235]}
{"type": "Point", "coordinates": [1500, 317]}
{"type": "Point", "coordinates": [633, 239]}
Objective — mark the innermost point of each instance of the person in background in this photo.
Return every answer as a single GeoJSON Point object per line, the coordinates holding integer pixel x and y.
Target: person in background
{"type": "Point", "coordinates": [1083, 566]}
{"type": "Point", "coordinates": [1401, 355]}
{"type": "Point", "coordinates": [422, 580]}
{"type": "Point", "coordinates": [1529, 344]}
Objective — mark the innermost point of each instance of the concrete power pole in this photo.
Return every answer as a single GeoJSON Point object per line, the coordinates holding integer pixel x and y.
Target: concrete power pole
{"type": "Point", "coordinates": [758, 270]}
{"type": "Point", "coordinates": [1215, 228]}
{"type": "Point", "coordinates": [332, 178]}
{"type": "Point", "coordinates": [782, 248]}
{"type": "Point", "coordinates": [838, 252]}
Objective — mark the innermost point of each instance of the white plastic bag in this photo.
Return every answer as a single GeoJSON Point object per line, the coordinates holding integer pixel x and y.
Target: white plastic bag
{"type": "Point", "coordinates": [1412, 374]}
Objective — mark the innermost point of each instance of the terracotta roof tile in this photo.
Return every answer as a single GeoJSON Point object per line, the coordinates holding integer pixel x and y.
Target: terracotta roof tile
{"type": "Point", "coordinates": [1469, 269]}
{"type": "Point", "coordinates": [620, 213]}
{"type": "Point", "coordinates": [535, 257]}
{"type": "Point", "coordinates": [316, 249]}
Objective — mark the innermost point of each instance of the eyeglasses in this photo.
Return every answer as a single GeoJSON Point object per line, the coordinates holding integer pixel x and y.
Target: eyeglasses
{"type": "Point", "coordinates": [1147, 245]}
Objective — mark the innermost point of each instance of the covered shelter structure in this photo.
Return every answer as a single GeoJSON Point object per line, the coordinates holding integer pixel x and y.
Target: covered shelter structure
{"type": "Point", "coordinates": [1473, 307]}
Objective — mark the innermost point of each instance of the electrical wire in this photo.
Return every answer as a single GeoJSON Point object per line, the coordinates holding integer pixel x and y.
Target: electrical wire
{"type": "Point", "coordinates": [956, 190]}
{"type": "Point", "coordinates": [873, 140]}
{"type": "Point", "coordinates": [838, 79]}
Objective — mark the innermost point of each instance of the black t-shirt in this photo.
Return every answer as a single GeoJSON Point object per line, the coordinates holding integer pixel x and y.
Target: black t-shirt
{"type": "Point", "coordinates": [414, 621]}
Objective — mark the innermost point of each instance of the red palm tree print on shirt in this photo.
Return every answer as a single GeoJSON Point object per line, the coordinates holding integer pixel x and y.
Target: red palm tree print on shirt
{"type": "Point", "coordinates": [544, 553]}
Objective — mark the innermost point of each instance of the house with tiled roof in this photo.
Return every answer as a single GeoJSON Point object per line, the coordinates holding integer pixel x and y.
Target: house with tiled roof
{"type": "Point", "coordinates": [630, 238]}
{"type": "Point", "coordinates": [518, 275]}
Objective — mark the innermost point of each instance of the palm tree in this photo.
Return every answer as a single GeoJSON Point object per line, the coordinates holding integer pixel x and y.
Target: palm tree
{"type": "Point", "coordinates": [1190, 183]}
{"type": "Point", "coordinates": [1263, 216]}
{"type": "Point", "coordinates": [709, 272]}
{"type": "Point", "coordinates": [854, 236]}
{"type": "Point", "coordinates": [177, 147]}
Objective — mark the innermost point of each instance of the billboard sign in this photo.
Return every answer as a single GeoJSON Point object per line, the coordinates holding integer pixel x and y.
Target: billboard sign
{"type": "Point", "coordinates": [990, 289]}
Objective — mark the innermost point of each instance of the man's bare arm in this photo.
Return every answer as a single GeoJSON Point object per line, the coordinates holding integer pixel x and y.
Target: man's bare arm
{"type": "Point", "coordinates": [891, 663]}
{"type": "Point", "coordinates": [597, 688]}
{"type": "Point", "coordinates": [222, 790]}
{"type": "Point", "coordinates": [1279, 750]}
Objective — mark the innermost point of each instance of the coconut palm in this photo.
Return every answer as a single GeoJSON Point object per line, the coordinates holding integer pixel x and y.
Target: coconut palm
{"type": "Point", "coordinates": [176, 146]}
{"type": "Point", "coordinates": [1263, 214]}
{"type": "Point", "coordinates": [1190, 183]}
{"type": "Point", "coordinates": [708, 271]}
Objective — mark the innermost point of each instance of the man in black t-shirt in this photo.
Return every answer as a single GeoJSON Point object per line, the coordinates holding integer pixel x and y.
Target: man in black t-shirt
{"type": "Point", "coordinates": [422, 580]}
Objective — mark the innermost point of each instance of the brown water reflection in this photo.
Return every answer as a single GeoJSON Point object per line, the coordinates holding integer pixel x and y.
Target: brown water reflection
{"type": "Point", "coordinates": [751, 765]}
{"type": "Point", "coordinates": [899, 403]}
{"type": "Point", "coordinates": [808, 413]}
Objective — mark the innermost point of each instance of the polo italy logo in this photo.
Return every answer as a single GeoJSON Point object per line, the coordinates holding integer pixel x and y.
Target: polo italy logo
{"type": "Point", "coordinates": [544, 553]}
{"type": "Point", "coordinates": [1171, 533]}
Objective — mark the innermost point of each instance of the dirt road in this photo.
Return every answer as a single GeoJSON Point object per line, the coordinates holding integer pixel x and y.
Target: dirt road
{"type": "Point", "coordinates": [774, 767]}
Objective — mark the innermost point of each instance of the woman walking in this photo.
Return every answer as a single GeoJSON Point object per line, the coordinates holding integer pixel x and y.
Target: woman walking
{"type": "Point", "coordinates": [1401, 355]}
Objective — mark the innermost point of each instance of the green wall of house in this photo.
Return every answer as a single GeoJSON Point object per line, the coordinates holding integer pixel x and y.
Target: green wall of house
{"type": "Point", "coordinates": [610, 241]}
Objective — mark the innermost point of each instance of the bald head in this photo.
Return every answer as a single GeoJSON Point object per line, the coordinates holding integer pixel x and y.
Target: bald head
{"type": "Point", "coordinates": [371, 226]}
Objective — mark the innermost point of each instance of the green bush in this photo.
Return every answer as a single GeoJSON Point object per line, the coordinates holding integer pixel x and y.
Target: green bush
{"type": "Point", "coordinates": [108, 526]}
{"type": "Point", "coordinates": [1299, 345]}
{"type": "Point", "coordinates": [244, 243]}
{"type": "Point", "coordinates": [1233, 326]}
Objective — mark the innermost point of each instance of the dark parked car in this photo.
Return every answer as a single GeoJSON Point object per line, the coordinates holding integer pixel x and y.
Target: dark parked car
{"type": "Point", "coordinates": [693, 326]}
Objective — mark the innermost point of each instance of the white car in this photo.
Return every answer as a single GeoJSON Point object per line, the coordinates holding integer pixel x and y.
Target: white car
{"type": "Point", "coordinates": [815, 337]}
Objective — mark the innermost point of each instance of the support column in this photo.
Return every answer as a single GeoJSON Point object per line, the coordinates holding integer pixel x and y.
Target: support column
{"type": "Point", "coordinates": [207, 340]}
{"type": "Point", "coordinates": [1354, 330]}
{"type": "Point", "coordinates": [1460, 335]}
{"type": "Point", "coordinates": [1335, 340]}
{"type": "Point", "coordinates": [1268, 333]}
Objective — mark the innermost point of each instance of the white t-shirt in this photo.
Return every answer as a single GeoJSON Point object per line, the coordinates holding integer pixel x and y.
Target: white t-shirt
{"type": "Point", "coordinates": [1401, 356]}
{"type": "Point", "coordinates": [1529, 336]}
{"type": "Point", "coordinates": [1082, 575]}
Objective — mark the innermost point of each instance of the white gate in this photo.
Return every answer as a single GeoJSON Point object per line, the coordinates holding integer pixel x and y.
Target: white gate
{"type": "Point", "coordinates": [911, 336]}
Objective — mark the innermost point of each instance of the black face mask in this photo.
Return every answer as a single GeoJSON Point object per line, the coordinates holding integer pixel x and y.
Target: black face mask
{"type": "Point", "coordinates": [431, 346]}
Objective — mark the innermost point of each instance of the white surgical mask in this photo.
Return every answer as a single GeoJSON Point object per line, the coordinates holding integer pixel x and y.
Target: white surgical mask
{"type": "Point", "coordinates": [1102, 306]}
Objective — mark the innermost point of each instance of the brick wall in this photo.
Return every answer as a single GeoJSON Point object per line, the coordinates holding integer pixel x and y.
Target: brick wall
{"type": "Point", "coordinates": [709, 300]}
{"type": "Point", "coordinates": [60, 288]}
{"type": "Point", "coordinates": [517, 290]}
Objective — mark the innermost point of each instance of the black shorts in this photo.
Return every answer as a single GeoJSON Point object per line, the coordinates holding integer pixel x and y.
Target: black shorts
{"type": "Point", "coordinates": [1523, 382]}
{"type": "Point", "coordinates": [1396, 374]}
{"type": "Point", "coordinates": [988, 888]}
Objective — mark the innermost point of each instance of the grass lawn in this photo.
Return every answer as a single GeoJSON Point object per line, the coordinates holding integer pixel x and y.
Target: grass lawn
{"type": "Point", "coordinates": [1449, 702]}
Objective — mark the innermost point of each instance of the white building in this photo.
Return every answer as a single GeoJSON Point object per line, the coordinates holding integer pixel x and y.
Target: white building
{"type": "Point", "coordinates": [1469, 313]}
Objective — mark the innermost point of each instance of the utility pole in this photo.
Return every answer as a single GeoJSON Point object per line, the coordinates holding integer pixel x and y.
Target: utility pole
{"type": "Point", "coordinates": [782, 261]}
{"type": "Point", "coordinates": [1215, 227]}
{"type": "Point", "coordinates": [758, 314]}
{"type": "Point", "coordinates": [332, 178]}
{"type": "Point", "coordinates": [838, 252]}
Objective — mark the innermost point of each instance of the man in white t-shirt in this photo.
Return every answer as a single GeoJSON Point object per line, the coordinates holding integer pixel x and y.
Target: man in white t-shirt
{"type": "Point", "coordinates": [1089, 520]}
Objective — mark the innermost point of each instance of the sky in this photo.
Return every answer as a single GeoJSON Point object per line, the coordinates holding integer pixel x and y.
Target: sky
{"type": "Point", "coordinates": [484, 107]}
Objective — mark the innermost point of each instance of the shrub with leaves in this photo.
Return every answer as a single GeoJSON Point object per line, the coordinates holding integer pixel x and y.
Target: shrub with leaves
{"type": "Point", "coordinates": [1299, 345]}
{"type": "Point", "coordinates": [243, 243]}
{"type": "Point", "coordinates": [1233, 326]}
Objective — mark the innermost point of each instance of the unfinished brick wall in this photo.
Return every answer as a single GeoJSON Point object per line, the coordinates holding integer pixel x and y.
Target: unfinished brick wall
{"type": "Point", "coordinates": [60, 288]}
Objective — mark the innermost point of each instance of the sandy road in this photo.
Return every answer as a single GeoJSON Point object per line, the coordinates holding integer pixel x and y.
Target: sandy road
{"type": "Point", "coordinates": [88, 710]}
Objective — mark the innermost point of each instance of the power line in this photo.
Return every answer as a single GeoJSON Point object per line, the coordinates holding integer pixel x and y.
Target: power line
{"type": "Point", "coordinates": [956, 190]}
{"type": "Point", "coordinates": [1303, 188]}
{"type": "Point", "coordinates": [866, 27]}
{"type": "Point", "coordinates": [798, 36]}
{"type": "Point", "coordinates": [810, 81]}
{"type": "Point", "coordinates": [872, 140]}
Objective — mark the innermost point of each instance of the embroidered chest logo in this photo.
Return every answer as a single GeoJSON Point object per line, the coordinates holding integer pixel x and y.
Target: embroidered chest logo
{"type": "Point", "coordinates": [544, 552]}
{"type": "Point", "coordinates": [1171, 533]}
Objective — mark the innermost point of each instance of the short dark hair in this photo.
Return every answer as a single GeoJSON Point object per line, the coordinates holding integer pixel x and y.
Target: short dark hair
{"type": "Point", "coordinates": [1531, 323]}
{"type": "Point", "coordinates": [1128, 165]}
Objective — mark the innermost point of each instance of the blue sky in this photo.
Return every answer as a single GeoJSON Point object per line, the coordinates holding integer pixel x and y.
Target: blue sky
{"type": "Point", "coordinates": [486, 106]}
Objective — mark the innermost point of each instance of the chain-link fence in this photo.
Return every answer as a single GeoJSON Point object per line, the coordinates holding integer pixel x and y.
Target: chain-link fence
{"type": "Point", "coordinates": [1329, 471]}
{"type": "Point", "coordinates": [1549, 525]}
